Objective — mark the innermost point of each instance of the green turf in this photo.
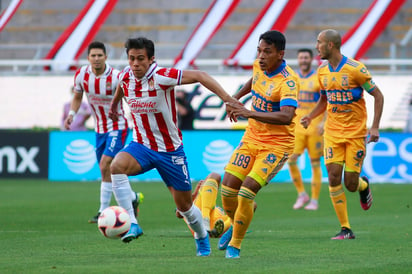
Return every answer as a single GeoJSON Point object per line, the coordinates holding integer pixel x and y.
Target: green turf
{"type": "Point", "coordinates": [44, 229]}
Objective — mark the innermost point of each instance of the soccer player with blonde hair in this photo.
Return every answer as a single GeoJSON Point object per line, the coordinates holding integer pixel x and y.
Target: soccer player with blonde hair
{"type": "Point", "coordinates": [343, 82]}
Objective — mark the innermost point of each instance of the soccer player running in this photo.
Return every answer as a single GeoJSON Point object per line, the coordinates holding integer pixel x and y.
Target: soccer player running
{"type": "Point", "coordinates": [342, 82]}
{"type": "Point", "coordinates": [268, 140]}
{"type": "Point", "coordinates": [311, 138]}
{"type": "Point", "coordinates": [157, 141]}
{"type": "Point", "coordinates": [99, 81]}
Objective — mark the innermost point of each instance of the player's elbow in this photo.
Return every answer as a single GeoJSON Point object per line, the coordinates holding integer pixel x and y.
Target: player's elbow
{"type": "Point", "coordinates": [286, 120]}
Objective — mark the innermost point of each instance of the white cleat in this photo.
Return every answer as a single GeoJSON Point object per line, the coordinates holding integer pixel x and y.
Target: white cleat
{"type": "Point", "coordinates": [313, 205]}
{"type": "Point", "coordinates": [301, 201]}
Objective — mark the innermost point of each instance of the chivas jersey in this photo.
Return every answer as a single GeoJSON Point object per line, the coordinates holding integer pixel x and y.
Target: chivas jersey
{"type": "Point", "coordinates": [153, 106]}
{"type": "Point", "coordinates": [269, 93]}
{"type": "Point", "coordinates": [346, 109]}
{"type": "Point", "coordinates": [100, 91]}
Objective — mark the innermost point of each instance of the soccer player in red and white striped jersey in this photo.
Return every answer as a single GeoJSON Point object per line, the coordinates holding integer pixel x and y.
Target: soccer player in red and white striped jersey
{"type": "Point", "coordinates": [157, 140]}
{"type": "Point", "coordinates": [98, 81]}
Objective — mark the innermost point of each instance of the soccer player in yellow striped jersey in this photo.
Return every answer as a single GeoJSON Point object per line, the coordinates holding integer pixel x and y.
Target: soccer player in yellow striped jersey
{"type": "Point", "coordinates": [343, 82]}
{"type": "Point", "coordinates": [311, 138]}
{"type": "Point", "coordinates": [268, 140]}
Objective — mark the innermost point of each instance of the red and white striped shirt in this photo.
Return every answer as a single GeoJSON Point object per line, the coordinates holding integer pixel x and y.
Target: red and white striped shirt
{"type": "Point", "coordinates": [100, 91]}
{"type": "Point", "coordinates": [153, 106]}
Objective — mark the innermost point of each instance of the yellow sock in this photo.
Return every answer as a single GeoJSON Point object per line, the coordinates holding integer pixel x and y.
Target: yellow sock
{"type": "Point", "coordinates": [296, 177]}
{"type": "Point", "coordinates": [229, 200]}
{"type": "Point", "coordinates": [362, 184]}
{"type": "Point", "coordinates": [316, 180]}
{"type": "Point", "coordinates": [243, 216]}
{"type": "Point", "coordinates": [208, 195]}
{"type": "Point", "coordinates": [228, 223]}
{"type": "Point", "coordinates": [338, 197]}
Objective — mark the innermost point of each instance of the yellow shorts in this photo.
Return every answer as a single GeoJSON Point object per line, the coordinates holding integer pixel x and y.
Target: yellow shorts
{"type": "Point", "coordinates": [259, 162]}
{"type": "Point", "coordinates": [314, 144]}
{"type": "Point", "coordinates": [350, 151]}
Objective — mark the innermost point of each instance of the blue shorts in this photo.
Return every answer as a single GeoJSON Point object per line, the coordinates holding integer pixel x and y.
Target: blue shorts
{"type": "Point", "coordinates": [110, 143]}
{"type": "Point", "coordinates": [172, 166]}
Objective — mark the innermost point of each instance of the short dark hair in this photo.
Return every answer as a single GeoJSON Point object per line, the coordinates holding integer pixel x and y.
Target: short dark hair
{"type": "Point", "coordinates": [274, 37]}
{"type": "Point", "coordinates": [96, 45]}
{"type": "Point", "coordinates": [306, 50]}
{"type": "Point", "coordinates": [140, 43]}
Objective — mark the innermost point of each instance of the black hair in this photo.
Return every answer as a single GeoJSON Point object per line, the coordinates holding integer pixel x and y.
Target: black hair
{"type": "Point", "coordinates": [96, 45]}
{"type": "Point", "coordinates": [306, 50]}
{"type": "Point", "coordinates": [274, 37]}
{"type": "Point", "coordinates": [140, 43]}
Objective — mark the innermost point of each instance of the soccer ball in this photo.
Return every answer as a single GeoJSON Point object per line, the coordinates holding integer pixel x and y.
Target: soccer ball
{"type": "Point", "coordinates": [114, 222]}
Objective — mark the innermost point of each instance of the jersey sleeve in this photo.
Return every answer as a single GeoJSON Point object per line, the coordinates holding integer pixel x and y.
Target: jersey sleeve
{"type": "Point", "coordinates": [364, 78]}
{"type": "Point", "coordinates": [116, 76]}
{"type": "Point", "coordinates": [169, 76]}
{"type": "Point", "coordinates": [78, 81]}
{"type": "Point", "coordinates": [290, 89]}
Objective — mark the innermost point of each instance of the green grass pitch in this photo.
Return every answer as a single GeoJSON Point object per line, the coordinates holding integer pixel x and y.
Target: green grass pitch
{"type": "Point", "coordinates": [44, 229]}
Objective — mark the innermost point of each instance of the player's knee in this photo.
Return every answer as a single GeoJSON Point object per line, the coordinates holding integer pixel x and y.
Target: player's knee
{"type": "Point", "coordinates": [293, 158]}
{"type": "Point", "coordinates": [215, 176]}
{"type": "Point", "coordinates": [334, 179]}
{"type": "Point", "coordinates": [351, 185]}
{"type": "Point", "coordinates": [105, 164]}
{"type": "Point", "coordinates": [117, 167]}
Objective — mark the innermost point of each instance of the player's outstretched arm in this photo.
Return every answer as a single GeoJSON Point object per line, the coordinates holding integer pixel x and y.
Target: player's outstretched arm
{"type": "Point", "coordinates": [378, 108]}
{"type": "Point", "coordinates": [282, 117]}
{"type": "Point", "coordinates": [195, 76]}
{"type": "Point", "coordinates": [115, 102]}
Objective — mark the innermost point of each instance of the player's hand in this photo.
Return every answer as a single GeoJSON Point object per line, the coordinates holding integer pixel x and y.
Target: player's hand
{"type": "Point", "coordinates": [68, 122]}
{"type": "Point", "coordinates": [373, 135]}
{"type": "Point", "coordinates": [230, 109]}
{"type": "Point", "coordinates": [236, 110]}
{"type": "Point", "coordinates": [305, 121]}
{"type": "Point", "coordinates": [113, 114]}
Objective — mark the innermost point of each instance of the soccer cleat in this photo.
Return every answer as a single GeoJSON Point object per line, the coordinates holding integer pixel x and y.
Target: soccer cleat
{"type": "Point", "coordinates": [366, 196]}
{"type": "Point", "coordinates": [301, 201]}
{"type": "Point", "coordinates": [313, 205]}
{"type": "Point", "coordinates": [232, 252]}
{"type": "Point", "coordinates": [217, 230]}
{"type": "Point", "coordinates": [94, 219]}
{"type": "Point", "coordinates": [136, 202]}
{"type": "Point", "coordinates": [203, 246]}
{"type": "Point", "coordinates": [134, 232]}
{"type": "Point", "coordinates": [344, 234]}
{"type": "Point", "coordinates": [225, 239]}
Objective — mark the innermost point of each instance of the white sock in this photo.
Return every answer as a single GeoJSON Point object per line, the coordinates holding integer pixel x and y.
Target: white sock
{"type": "Point", "coordinates": [121, 191]}
{"type": "Point", "coordinates": [194, 219]}
{"type": "Point", "coordinates": [105, 195]}
{"type": "Point", "coordinates": [133, 194]}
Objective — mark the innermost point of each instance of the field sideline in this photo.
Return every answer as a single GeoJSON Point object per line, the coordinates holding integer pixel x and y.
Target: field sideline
{"type": "Point", "coordinates": [44, 229]}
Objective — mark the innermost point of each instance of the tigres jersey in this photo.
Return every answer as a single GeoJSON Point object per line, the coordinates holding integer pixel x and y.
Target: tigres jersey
{"type": "Point", "coordinates": [309, 93]}
{"type": "Point", "coordinates": [346, 110]}
{"type": "Point", "coordinates": [269, 94]}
